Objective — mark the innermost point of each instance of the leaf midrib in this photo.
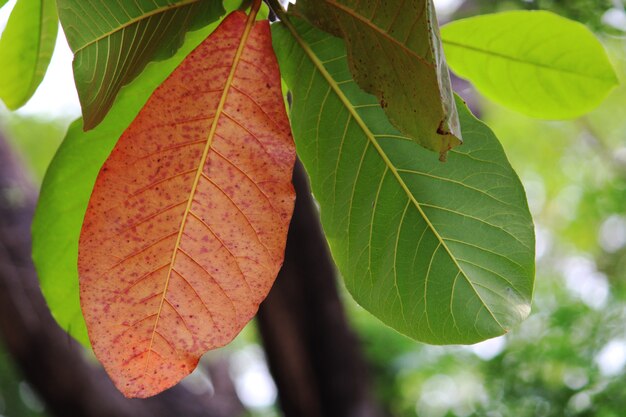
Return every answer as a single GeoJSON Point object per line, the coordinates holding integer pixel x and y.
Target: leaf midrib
{"type": "Point", "coordinates": [524, 62]}
{"type": "Point", "coordinates": [320, 67]}
{"type": "Point", "coordinates": [137, 19]}
{"type": "Point", "coordinates": [199, 173]}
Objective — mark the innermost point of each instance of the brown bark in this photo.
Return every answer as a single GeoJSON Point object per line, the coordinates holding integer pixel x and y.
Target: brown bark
{"type": "Point", "coordinates": [313, 354]}
{"type": "Point", "coordinates": [52, 363]}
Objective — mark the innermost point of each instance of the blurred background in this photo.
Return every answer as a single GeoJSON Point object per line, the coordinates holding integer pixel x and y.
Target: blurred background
{"type": "Point", "coordinates": [567, 359]}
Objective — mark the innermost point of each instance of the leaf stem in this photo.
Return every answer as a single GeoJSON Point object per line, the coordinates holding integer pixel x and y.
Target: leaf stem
{"type": "Point", "coordinates": [277, 8]}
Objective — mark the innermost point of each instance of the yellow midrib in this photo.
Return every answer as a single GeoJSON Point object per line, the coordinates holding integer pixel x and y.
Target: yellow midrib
{"type": "Point", "coordinates": [320, 67]}
{"type": "Point", "coordinates": [203, 159]}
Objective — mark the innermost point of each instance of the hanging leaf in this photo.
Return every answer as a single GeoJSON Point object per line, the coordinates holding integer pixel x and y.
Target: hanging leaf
{"type": "Point", "coordinates": [68, 183]}
{"type": "Point", "coordinates": [443, 253]}
{"type": "Point", "coordinates": [395, 53]}
{"type": "Point", "coordinates": [535, 62]}
{"type": "Point", "coordinates": [26, 49]}
{"type": "Point", "coordinates": [113, 41]}
{"type": "Point", "coordinates": [185, 230]}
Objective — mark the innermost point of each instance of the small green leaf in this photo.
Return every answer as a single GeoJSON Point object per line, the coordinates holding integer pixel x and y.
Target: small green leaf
{"type": "Point", "coordinates": [395, 53]}
{"type": "Point", "coordinates": [535, 62]}
{"type": "Point", "coordinates": [67, 187]}
{"type": "Point", "coordinates": [113, 41]}
{"type": "Point", "coordinates": [443, 253]}
{"type": "Point", "coordinates": [25, 49]}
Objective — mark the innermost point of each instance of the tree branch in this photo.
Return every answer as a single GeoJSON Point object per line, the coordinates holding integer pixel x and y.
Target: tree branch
{"type": "Point", "coordinates": [313, 354]}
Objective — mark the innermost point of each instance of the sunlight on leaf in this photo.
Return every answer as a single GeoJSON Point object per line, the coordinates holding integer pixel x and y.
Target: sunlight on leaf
{"type": "Point", "coordinates": [535, 62]}
{"type": "Point", "coordinates": [26, 49]}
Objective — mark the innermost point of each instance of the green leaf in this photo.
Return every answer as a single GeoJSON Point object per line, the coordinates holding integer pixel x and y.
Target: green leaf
{"type": "Point", "coordinates": [395, 53]}
{"type": "Point", "coordinates": [113, 41]}
{"type": "Point", "coordinates": [67, 187]}
{"type": "Point", "coordinates": [535, 62]}
{"type": "Point", "coordinates": [443, 253]}
{"type": "Point", "coordinates": [3, 2]}
{"type": "Point", "coordinates": [25, 49]}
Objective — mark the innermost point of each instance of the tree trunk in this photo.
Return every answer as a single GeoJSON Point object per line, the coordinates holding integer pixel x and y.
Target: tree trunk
{"type": "Point", "coordinates": [313, 354]}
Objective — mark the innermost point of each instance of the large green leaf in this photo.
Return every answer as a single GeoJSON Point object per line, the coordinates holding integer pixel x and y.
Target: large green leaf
{"type": "Point", "coordinates": [535, 62]}
{"type": "Point", "coordinates": [25, 49]}
{"type": "Point", "coordinates": [443, 253]}
{"type": "Point", "coordinates": [395, 53]}
{"type": "Point", "coordinates": [114, 40]}
{"type": "Point", "coordinates": [67, 186]}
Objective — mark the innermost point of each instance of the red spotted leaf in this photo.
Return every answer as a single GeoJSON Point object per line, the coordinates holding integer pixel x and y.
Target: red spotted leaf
{"type": "Point", "coordinates": [186, 227]}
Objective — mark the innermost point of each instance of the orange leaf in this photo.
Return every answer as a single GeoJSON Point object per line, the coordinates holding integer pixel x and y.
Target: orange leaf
{"type": "Point", "coordinates": [186, 227]}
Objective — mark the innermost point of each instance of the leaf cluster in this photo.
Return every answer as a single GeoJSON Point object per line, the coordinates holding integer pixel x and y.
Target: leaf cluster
{"type": "Point", "coordinates": [443, 253]}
